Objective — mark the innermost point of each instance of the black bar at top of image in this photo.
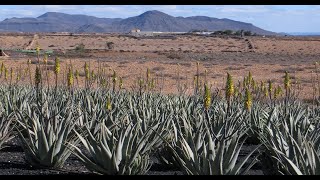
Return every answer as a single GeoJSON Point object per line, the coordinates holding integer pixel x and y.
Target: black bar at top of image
{"type": "Point", "coordinates": [159, 2]}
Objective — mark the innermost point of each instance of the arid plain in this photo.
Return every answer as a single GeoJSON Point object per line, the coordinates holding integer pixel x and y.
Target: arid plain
{"type": "Point", "coordinates": [170, 59]}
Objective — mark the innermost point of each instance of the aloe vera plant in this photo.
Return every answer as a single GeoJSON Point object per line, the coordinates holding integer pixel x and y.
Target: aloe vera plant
{"type": "Point", "coordinates": [10, 99]}
{"type": "Point", "coordinates": [204, 154]}
{"type": "Point", "coordinates": [45, 131]}
{"type": "Point", "coordinates": [114, 155]}
{"type": "Point", "coordinates": [6, 129]}
{"type": "Point", "coordinates": [292, 144]}
{"type": "Point", "coordinates": [293, 156]}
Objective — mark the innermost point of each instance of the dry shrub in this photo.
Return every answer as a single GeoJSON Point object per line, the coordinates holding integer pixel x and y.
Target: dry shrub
{"type": "Point", "coordinates": [158, 68]}
{"type": "Point", "coordinates": [231, 68]}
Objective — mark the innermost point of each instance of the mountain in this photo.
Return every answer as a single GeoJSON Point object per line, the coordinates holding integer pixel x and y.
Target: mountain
{"type": "Point", "coordinates": [53, 22]}
{"type": "Point", "coordinates": [148, 21]}
{"type": "Point", "coordinates": [152, 21]}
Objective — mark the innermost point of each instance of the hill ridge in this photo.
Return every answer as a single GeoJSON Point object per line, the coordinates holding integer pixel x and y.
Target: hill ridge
{"type": "Point", "coordinates": [153, 20]}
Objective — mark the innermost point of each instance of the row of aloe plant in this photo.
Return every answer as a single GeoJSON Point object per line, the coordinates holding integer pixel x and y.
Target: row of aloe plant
{"type": "Point", "coordinates": [116, 132]}
{"type": "Point", "coordinates": [292, 140]}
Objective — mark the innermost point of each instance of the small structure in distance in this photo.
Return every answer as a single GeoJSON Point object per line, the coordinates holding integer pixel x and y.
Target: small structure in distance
{"type": "Point", "coordinates": [138, 33]}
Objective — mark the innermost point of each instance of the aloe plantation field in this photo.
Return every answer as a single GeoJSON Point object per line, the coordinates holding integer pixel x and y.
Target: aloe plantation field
{"type": "Point", "coordinates": [111, 131]}
{"type": "Point", "coordinates": [66, 116]}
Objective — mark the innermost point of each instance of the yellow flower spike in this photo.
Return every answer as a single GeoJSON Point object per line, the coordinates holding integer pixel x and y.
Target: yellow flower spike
{"type": "Point", "coordinates": [2, 67]}
{"type": "Point", "coordinates": [248, 100]}
{"type": "Point", "coordinates": [250, 78]}
{"type": "Point", "coordinates": [57, 66]}
{"type": "Point", "coordinates": [114, 77]}
{"type": "Point", "coordinates": [229, 87]}
{"type": "Point", "coordinates": [103, 82]}
{"type": "Point", "coordinates": [120, 83]}
{"type": "Point", "coordinates": [108, 105]}
{"type": "Point", "coordinates": [277, 92]}
{"type": "Point", "coordinates": [6, 73]}
{"type": "Point", "coordinates": [56, 70]}
{"type": "Point", "coordinates": [207, 97]}
{"type": "Point", "coordinates": [286, 81]}
{"type": "Point", "coordinates": [114, 80]}
{"type": "Point", "coordinates": [70, 78]}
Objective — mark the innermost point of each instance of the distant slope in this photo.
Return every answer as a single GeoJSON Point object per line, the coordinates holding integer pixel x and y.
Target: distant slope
{"type": "Point", "coordinates": [148, 21]}
{"type": "Point", "coordinates": [53, 22]}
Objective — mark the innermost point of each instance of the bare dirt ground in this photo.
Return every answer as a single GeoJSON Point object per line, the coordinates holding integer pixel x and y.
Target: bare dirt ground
{"type": "Point", "coordinates": [266, 57]}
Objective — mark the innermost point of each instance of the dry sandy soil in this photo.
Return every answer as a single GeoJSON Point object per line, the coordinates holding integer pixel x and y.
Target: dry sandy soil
{"type": "Point", "coordinates": [266, 57]}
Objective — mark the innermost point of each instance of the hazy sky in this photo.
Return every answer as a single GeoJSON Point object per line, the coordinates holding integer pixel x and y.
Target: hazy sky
{"type": "Point", "coordinates": [277, 18]}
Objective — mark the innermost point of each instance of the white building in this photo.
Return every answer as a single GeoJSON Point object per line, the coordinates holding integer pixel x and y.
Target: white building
{"type": "Point", "coordinates": [135, 30]}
